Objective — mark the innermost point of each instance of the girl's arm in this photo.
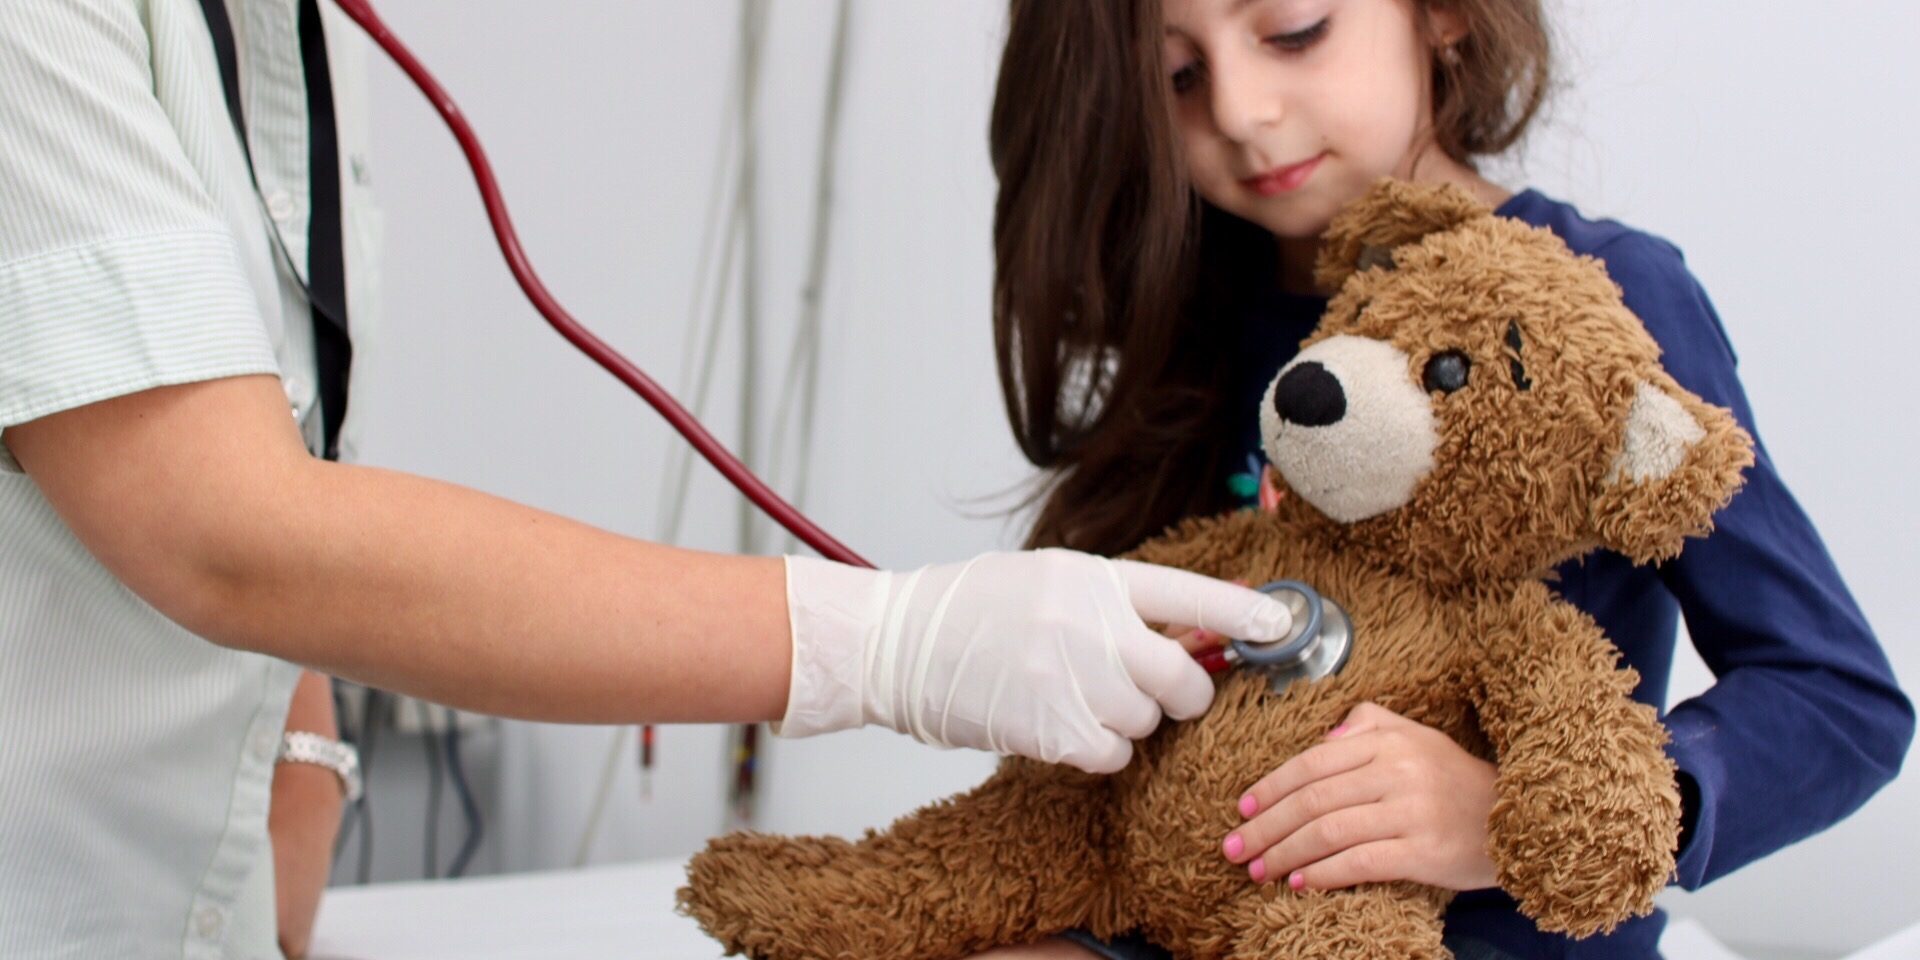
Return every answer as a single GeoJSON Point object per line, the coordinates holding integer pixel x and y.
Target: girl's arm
{"type": "Point", "coordinates": [1805, 720]}
{"type": "Point", "coordinates": [303, 819]}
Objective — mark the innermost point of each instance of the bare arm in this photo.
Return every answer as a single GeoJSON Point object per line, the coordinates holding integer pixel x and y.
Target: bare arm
{"type": "Point", "coordinates": [303, 819]}
{"type": "Point", "coordinates": [202, 500]}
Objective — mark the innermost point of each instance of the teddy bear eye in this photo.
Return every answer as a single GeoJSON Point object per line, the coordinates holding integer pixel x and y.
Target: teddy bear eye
{"type": "Point", "coordinates": [1447, 371]}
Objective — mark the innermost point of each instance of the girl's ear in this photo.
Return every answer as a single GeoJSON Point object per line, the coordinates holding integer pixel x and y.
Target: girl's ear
{"type": "Point", "coordinates": [1364, 233]}
{"type": "Point", "coordinates": [1446, 24]}
{"type": "Point", "coordinates": [1678, 462]}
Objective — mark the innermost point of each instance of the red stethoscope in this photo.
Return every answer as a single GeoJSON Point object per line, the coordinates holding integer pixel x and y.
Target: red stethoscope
{"type": "Point", "coordinates": [1322, 634]}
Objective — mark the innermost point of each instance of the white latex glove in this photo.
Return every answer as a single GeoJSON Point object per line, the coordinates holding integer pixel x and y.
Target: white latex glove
{"type": "Point", "coordinates": [1045, 654]}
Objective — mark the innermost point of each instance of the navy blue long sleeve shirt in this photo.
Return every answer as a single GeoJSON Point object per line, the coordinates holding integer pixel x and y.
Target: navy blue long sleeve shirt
{"type": "Point", "coordinates": [1804, 721]}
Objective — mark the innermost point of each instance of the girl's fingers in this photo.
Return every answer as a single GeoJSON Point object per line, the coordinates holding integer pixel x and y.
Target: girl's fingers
{"type": "Point", "coordinates": [1363, 718]}
{"type": "Point", "coordinates": [1319, 762]}
{"type": "Point", "coordinates": [1325, 838]}
{"type": "Point", "coordinates": [1192, 639]}
{"type": "Point", "coordinates": [1305, 805]}
{"type": "Point", "coordinates": [1377, 862]}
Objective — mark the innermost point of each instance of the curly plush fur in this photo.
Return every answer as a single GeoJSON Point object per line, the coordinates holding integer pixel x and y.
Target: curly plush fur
{"type": "Point", "coordinates": [1568, 436]}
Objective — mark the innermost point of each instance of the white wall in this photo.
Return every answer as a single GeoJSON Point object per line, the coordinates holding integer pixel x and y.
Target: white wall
{"type": "Point", "coordinates": [1775, 147]}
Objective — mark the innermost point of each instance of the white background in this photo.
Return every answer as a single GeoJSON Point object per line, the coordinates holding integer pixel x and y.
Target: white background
{"type": "Point", "coordinates": [1775, 144]}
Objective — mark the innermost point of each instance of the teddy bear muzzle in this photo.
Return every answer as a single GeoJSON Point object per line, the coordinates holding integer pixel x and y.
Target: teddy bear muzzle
{"type": "Point", "coordinates": [1348, 428]}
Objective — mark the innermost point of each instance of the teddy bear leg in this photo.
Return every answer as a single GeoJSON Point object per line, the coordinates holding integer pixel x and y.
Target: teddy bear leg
{"type": "Point", "coordinates": [1017, 858]}
{"type": "Point", "coordinates": [1398, 921]}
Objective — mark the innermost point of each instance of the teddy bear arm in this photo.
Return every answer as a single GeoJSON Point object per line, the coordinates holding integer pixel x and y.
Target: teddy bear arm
{"type": "Point", "coordinates": [1373, 921]}
{"type": "Point", "coordinates": [1587, 815]}
{"type": "Point", "coordinates": [1016, 858]}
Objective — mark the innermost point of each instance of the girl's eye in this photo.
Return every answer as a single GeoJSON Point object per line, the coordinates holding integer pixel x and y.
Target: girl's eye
{"type": "Point", "coordinates": [1301, 39]}
{"type": "Point", "coordinates": [1447, 371]}
{"type": "Point", "coordinates": [1186, 78]}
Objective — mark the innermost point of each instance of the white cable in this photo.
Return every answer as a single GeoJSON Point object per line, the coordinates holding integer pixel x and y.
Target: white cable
{"type": "Point", "coordinates": [674, 496]}
{"type": "Point", "coordinates": [600, 796]}
{"type": "Point", "coordinates": [753, 30]}
{"type": "Point", "coordinates": [679, 459]}
{"type": "Point", "coordinates": [803, 367]}
{"type": "Point", "coordinates": [800, 386]}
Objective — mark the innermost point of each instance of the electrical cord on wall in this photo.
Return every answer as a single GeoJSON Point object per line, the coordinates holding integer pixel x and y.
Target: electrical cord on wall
{"type": "Point", "coordinates": [369, 728]}
{"type": "Point", "coordinates": [435, 775]}
{"type": "Point", "coordinates": [467, 805]}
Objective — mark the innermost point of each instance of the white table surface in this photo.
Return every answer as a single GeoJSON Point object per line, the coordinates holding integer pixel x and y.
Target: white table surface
{"type": "Point", "coordinates": [626, 911]}
{"type": "Point", "coordinates": [623, 911]}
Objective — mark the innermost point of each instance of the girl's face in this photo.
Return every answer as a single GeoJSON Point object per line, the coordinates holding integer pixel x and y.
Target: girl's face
{"type": "Point", "coordinates": [1287, 109]}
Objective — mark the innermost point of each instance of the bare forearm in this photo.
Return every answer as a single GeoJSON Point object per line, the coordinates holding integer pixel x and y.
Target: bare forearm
{"type": "Point", "coordinates": [201, 499]}
{"type": "Point", "coordinates": [303, 819]}
{"type": "Point", "coordinates": [466, 599]}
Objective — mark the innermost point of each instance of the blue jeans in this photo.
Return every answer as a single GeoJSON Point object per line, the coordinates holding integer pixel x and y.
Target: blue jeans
{"type": "Point", "coordinates": [1132, 947]}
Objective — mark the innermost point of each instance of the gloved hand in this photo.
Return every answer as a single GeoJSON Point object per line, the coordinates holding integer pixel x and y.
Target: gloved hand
{"type": "Point", "coordinates": [1045, 654]}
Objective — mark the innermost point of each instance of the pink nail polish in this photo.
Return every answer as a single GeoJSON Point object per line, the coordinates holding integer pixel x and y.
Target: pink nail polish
{"type": "Point", "coordinates": [1337, 731]}
{"type": "Point", "coordinates": [1257, 870]}
{"type": "Point", "coordinates": [1297, 881]}
{"type": "Point", "coordinates": [1248, 805]}
{"type": "Point", "coordinates": [1234, 846]}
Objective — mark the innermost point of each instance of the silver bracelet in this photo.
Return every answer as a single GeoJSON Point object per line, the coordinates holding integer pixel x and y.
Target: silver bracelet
{"type": "Point", "coordinates": [298, 746]}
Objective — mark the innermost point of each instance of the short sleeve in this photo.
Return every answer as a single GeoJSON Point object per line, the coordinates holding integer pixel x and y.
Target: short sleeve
{"type": "Point", "coordinates": [117, 272]}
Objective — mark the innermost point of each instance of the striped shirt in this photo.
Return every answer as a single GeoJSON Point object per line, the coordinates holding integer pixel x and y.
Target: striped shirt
{"type": "Point", "coordinates": [135, 252]}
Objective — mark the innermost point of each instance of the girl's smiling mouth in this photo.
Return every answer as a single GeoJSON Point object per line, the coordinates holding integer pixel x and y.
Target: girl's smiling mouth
{"type": "Point", "coordinates": [1283, 179]}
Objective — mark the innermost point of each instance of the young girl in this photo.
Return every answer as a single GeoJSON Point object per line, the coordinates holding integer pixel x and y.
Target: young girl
{"type": "Point", "coordinates": [1166, 168]}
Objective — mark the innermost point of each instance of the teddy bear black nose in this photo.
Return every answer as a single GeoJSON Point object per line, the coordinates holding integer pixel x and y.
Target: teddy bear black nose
{"type": "Point", "coordinates": [1310, 396]}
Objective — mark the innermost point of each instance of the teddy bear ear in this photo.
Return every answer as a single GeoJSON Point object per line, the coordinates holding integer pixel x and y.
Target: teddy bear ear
{"type": "Point", "coordinates": [1365, 233]}
{"type": "Point", "coordinates": [1679, 461]}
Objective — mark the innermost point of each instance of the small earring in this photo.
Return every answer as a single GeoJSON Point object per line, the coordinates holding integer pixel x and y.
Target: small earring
{"type": "Point", "coordinates": [1450, 55]}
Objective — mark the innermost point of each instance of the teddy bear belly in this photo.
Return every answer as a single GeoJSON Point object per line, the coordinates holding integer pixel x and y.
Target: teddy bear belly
{"type": "Point", "coordinates": [1179, 798]}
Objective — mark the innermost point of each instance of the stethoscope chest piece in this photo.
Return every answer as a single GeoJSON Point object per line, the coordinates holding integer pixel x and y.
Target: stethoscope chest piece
{"type": "Point", "coordinates": [1317, 647]}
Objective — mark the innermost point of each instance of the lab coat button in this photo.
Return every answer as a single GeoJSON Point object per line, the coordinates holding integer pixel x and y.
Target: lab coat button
{"type": "Point", "coordinates": [280, 205]}
{"type": "Point", "coordinates": [207, 922]}
{"type": "Point", "coordinates": [265, 745]}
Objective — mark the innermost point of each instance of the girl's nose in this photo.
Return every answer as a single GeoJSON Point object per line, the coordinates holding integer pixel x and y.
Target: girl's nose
{"type": "Point", "coordinates": [1242, 107]}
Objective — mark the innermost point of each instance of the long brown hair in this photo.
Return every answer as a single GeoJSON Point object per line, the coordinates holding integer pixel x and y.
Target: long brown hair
{"type": "Point", "coordinates": [1111, 275]}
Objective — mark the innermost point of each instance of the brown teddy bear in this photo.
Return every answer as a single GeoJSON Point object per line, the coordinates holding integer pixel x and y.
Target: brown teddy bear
{"type": "Point", "coordinates": [1476, 407]}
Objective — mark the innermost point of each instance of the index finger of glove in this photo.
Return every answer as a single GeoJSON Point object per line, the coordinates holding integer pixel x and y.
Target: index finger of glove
{"type": "Point", "coordinates": [1166, 595]}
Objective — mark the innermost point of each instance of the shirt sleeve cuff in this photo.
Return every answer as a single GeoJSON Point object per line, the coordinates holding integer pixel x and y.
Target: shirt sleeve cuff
{"type": "Point", "coordinates": [115, 317]}
{"type": "Point", "coordinates": [1691, 751]}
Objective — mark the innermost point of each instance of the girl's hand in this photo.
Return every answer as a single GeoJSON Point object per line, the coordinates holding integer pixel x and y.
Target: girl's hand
{"type": "Point", "coordinates": [1382, 798]}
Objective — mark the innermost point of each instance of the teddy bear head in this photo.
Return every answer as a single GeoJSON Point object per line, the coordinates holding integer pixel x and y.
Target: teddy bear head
{"type": "Point", "coordinates": [1478, 402]}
